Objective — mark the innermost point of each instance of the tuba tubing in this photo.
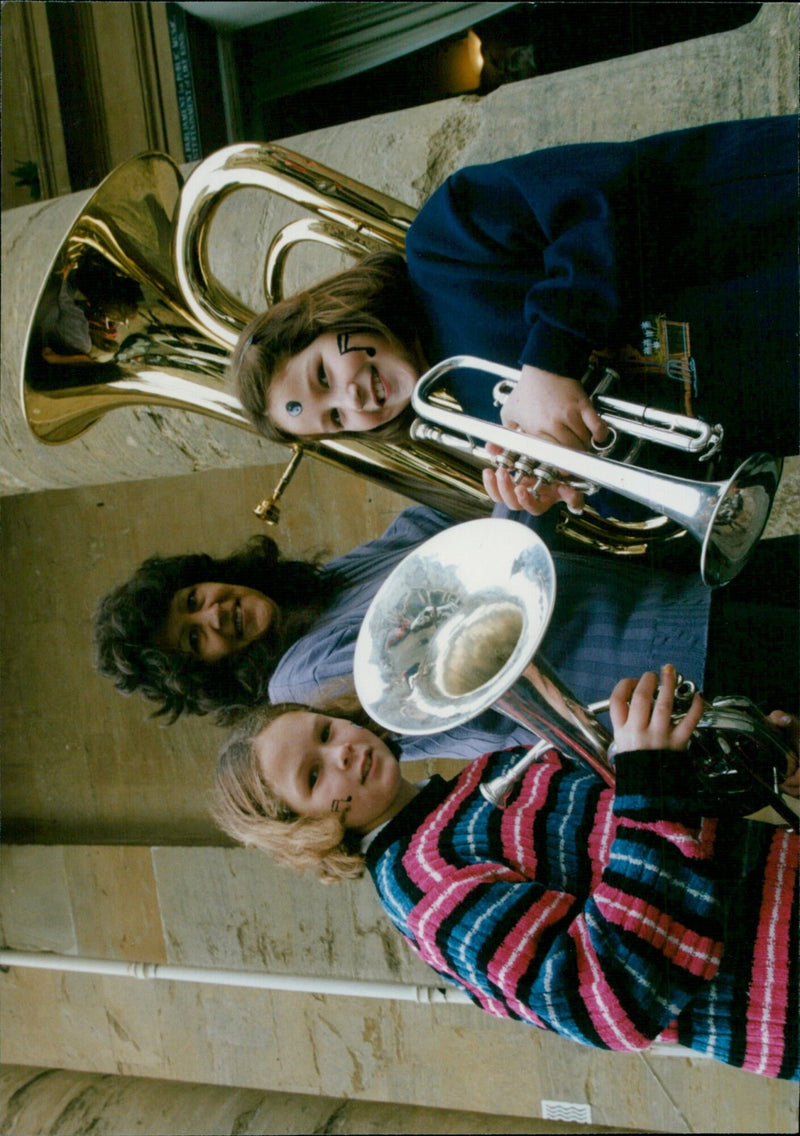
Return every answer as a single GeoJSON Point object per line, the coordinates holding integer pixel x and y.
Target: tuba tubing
{"type": "Point", "coordinates": [346, 214]}
{"type": "Point", "coordinates": [725, 517]}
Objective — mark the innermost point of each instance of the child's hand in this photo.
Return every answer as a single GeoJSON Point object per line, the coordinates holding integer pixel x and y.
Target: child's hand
{"type": "Point", "coordinates": [503, 490]}
{"type": "Point", "coordinates": [789, 725]}
{"type": "Point", "coordinates": [554, 407]}
{"type": "Point", "coordinates": [641, 723]}
{"type": "Point", "coordinates": [557, 409]}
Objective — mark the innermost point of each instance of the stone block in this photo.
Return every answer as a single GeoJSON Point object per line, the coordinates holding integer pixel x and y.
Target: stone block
{"type": "Point", "coordinates": [35, 902]}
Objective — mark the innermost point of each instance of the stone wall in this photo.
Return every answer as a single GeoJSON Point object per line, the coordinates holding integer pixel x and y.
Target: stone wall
{"type": "Point", "coordinates": [87, 772]}
{"type": "Point", "coordinates": [48, 1100]}
{"type": "Point", "coordinates": [233, 908]}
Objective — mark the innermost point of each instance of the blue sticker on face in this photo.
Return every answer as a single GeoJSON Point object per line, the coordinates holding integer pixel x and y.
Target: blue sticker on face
{"type": "Point", "coordinates": [294, 408]}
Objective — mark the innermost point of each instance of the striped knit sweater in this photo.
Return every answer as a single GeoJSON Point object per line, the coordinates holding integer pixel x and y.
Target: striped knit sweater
{"type": "Point", "coordinates": [612, 918]}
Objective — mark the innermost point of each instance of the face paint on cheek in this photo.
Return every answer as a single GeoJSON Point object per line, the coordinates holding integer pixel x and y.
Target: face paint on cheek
{"type": "Point", "coordinates": [340, 804]}
{"type": "Point", "coordinates": [294, 408]}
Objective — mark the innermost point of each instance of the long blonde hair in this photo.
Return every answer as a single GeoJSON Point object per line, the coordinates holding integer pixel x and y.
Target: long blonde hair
{"type": "Point", "coordinates": [246, 808]}
{"type": "Point", "coordinates": [374, 295]}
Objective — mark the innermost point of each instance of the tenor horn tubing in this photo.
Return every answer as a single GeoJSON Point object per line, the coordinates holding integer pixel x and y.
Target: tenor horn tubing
{"type": "Point", "coordinates": [543, 704]}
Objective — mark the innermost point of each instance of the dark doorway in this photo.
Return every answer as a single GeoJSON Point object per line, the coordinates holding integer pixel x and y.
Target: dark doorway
{"type": "Point", "coordinates": [520, 42]}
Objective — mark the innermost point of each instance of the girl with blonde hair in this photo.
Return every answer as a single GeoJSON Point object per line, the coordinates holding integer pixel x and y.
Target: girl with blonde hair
{"type": "Point", "coordinates": [615, 917]}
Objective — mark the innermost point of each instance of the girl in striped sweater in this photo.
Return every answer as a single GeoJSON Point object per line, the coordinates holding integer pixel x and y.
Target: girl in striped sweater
{"type": "Point", "coordinates": [615, 917]}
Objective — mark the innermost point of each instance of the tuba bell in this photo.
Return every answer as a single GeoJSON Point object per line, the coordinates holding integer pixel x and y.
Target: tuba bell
{"type": "Point", "coordinates": [455, 630]}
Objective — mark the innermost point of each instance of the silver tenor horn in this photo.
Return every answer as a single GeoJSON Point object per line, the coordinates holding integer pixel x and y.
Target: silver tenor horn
{"type": "Point", "coordinates": [725, 517]}
{"type": "Point", "coordinates": [455, 630]}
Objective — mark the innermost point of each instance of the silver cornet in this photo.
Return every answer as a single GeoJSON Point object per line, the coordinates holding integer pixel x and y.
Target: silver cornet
{"type": "Point", "coordinates": [726, 517]}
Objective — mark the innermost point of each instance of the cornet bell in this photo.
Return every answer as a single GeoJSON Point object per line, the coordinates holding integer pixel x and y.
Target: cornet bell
{"type": "Point", "coordinates": [733, 517]}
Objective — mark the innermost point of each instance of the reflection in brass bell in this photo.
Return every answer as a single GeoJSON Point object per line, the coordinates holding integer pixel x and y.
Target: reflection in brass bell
{"type": "Point", "coordinates": [110, 328]}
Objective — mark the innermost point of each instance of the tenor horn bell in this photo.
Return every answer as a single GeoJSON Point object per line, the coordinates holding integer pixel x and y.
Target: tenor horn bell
{"type": "Point", "coordinates": [455, 630]}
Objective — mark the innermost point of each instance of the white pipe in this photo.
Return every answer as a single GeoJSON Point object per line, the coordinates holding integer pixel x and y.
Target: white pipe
{"type": "Point", "coordinates": [388, 991]}
{"type": "Point", "coordinates": [391, 991]}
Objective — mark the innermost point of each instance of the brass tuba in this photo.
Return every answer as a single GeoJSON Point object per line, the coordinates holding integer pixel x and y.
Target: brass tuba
{"type": "Point", "coordinates": [455, 630]}
{"type": "Point", "coordinates": [131, 314]}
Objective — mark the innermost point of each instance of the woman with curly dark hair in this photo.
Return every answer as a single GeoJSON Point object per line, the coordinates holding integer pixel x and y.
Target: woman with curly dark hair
{"type": "Point", "coordinates": [200, 634]}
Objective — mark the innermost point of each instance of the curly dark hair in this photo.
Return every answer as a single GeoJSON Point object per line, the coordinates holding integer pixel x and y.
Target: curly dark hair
{"type": "Point", "coordinates": [127, 619]}
{"type": "Point", "coordinates": [374, 296]}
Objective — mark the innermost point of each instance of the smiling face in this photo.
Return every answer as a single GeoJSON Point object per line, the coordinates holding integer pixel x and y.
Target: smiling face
{"type": "Point", "coordinates": [210, 621]}
{"type": "Point", "coordinates": [318, 764]}
{"type": "Point", "coordinates": [345, 381]}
